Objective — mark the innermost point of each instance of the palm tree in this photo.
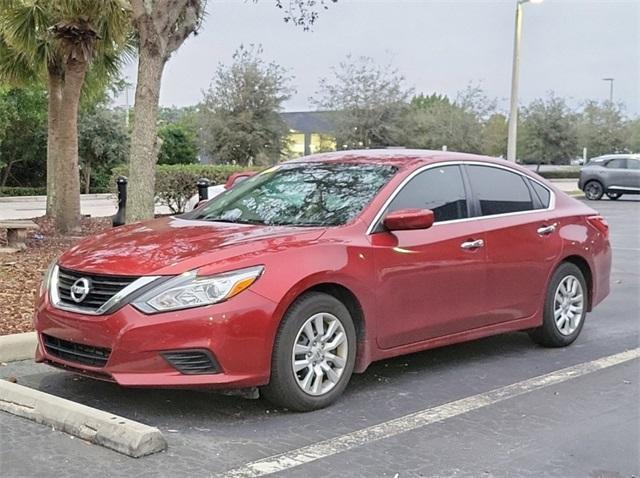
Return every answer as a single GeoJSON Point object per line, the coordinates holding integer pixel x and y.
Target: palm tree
{"type": "Point", "coordinates": [64, 41]}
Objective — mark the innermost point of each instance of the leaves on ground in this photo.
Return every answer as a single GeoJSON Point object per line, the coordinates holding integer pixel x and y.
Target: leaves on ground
{"type": "Point", "coordinates": [21, 272]}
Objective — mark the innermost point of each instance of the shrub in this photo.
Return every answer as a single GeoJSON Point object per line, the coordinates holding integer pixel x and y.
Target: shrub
{"type": "Point", "coordinates": [573, 173]}
{"type": "Point", "coordinates": [176, 183]}
{"type": "Point", "coordinates": [20, 191]}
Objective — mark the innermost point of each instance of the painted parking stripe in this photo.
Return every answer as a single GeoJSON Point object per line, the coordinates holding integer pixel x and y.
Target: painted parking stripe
{"type": "Point", "coordinates": [349, 441]}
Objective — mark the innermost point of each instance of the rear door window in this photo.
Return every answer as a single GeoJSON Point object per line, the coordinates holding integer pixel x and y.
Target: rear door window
{"type": "Point", "coordinates": [633, 164]}
{"type": "Point", "coordinates": [543, 194]}
{"type": "Point", "coordinates": [499, 191]}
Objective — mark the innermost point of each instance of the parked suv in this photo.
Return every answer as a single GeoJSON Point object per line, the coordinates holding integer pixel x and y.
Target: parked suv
{"type": "Point", "coordinates": [612, 174]}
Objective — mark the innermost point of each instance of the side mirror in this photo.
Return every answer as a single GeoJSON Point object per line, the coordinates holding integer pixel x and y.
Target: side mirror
{"type": "Point", "coordinates": [237, 178]}
{"type": "Point", "coordinates": [406, 219]}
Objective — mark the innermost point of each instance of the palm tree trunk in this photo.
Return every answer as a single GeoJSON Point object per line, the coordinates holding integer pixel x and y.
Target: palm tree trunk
{"type": "Point", "coordinates": [67, 181]}
{"type": "Point", "coordinates": [53, 121]}
{"type": "Point", "coordinates": [144, 139]}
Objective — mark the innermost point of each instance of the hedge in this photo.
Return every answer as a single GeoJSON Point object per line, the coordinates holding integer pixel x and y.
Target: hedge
{"type": "Point", "coordinates": [561, 174]}
{"type": "Point", "coordinates": [176, 183]}
{"type": "Point", "coordinates": [21, 191]}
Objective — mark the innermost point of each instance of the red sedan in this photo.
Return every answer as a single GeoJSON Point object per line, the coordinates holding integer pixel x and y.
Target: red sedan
{"type": "Point", "coordinates": [312, 269]}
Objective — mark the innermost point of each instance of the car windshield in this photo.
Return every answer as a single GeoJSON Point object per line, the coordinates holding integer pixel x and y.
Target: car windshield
{"type": "Point", "coordinates": [306, 194]}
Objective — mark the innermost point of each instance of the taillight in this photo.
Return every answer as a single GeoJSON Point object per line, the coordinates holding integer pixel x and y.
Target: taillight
{"type": "Point", "coordinates": [600, 223]}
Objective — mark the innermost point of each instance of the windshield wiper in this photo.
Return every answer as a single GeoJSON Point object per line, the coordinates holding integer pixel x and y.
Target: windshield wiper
{"type": "Point", "coordinates": [237, 221]}
{"type": "Point", "coordinates": [265, 223]}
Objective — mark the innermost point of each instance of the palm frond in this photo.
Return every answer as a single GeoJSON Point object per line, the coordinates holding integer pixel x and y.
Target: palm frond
{"type": "Point", "coordinates": [15, 67]}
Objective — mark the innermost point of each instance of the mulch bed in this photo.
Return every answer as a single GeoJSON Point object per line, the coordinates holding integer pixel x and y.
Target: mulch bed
{"type": "Point", "coordinates": [21, 272]}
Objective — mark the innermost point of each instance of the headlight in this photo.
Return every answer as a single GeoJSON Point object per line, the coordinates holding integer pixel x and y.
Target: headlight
{"type": "Point", "coordinates": [188, 290]}
{"type": "Point", "coordinates": [48, 275]}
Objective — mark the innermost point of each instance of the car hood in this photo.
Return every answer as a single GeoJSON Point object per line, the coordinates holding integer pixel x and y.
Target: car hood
{"type": "Point", "coordinates": [172, 245]}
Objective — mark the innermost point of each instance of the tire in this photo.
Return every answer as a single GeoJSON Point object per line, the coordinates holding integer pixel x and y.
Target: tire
{"type": "Point", "coordinates": [593, 190]}
{"type": "Point", "coordinates": [614, 196]}
{"type": "Point", "coordinates": [565, 329]}
{"type": "Point", "coordinates": [298, 327]}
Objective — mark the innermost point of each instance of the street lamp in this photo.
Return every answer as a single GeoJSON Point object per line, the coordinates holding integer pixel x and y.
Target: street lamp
{"type": "Point", "coordinates": [610, 80]}
{"type": "Point", "coordinates": [515, 78]}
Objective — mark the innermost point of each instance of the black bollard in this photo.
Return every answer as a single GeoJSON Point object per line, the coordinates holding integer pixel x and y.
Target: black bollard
{"type": "Point", "coordinates": [203, 189]}
{"type": "Point", "coordinates": [119, 218]}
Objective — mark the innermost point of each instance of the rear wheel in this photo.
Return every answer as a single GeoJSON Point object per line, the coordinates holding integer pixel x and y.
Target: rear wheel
{"type": "Point", "coordinates": [313, 355]}
{"type": "Point", "coordinates": [565, 308]}
{"type": "Point", "coordinates": [614, 196]}
{"type": "Point", "coordinates": [593, 190]}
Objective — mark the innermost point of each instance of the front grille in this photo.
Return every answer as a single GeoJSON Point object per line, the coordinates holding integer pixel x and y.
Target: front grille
{"type": "Point", "coordinates": [101, 288]}
{"type": "Point", "coordinates": [192, 361]}
{"type": "Point", "coordinates": [74, 352]}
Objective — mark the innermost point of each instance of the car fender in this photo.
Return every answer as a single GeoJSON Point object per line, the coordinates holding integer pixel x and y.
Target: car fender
{"type": "Point", "coordinates": [351, 272]}
{"type": "Point", "coordinates": [582, 241]}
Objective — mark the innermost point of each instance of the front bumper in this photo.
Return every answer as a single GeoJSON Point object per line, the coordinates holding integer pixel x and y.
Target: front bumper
{"type": "Point", "coordinates": [239, 334]}
{"type": "Point", "coordinates": [581, 183]}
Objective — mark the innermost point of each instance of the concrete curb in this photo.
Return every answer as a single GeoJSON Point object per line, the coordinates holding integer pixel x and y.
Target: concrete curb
{"type": "Point", "coordinates": [96, 426]}
{"type": "Point", "coordinates": [17, 346]}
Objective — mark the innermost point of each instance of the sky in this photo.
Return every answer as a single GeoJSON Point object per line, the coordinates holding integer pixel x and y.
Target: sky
{"type": "Point", "coordinates": [568, 47]}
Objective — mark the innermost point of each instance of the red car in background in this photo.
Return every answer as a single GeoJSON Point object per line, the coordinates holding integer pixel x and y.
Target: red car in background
{"type": "Point", "coordinates": [313, 269]}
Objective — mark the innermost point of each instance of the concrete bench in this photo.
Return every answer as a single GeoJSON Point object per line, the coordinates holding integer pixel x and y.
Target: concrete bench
{"type": "Point", "coordinates": [17, 234]}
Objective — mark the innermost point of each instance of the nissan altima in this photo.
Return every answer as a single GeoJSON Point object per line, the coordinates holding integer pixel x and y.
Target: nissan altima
{"type": "Point", "coordinates": [311, 270]}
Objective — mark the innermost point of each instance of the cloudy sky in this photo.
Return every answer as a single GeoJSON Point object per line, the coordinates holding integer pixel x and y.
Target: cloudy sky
{"type": "Point", "coordinates": [440, 46]}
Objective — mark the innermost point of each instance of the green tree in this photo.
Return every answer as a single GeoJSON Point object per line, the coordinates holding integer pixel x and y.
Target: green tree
{"type": "Point", "coordinates": [241, 124]}
{"type": "Point", "coordinates": [423, 102]}
{"type": "Point", "coordinates": [103, 144]}
{"type": "Point", "coordinates": [178, 144]}
{"type": "Point", "coordinates": [548, 132]}
{"type": "Point", "coordinates": [23, 122]}
{"type": "Point", "coordinates": [494, 135]}
{"type": "Point", "coordinates": [434, 121]}
{"type": "Point", "coordinates": [162, 26]}
{"type": "Point", "coordinates": [368, 102]}
{"type": "Point", "coordinates": [59, 40]}
{"type": "Point", "coordinates": [602, 128]}
{"type": "Point", "coordinates": [633, 135]}
{"type": "Point", "coordinates": [185, 115]}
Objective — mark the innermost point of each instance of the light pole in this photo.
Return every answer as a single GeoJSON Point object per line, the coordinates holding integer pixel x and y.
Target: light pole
{"type": "Point", "coordinates": [515, 78]}
{"type": "Point", "coordinates": [610, 80]}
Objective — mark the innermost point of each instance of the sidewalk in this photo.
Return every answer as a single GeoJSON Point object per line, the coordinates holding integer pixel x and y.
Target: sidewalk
{"type": "Point", "coordinates": [95, 205]}
{"type": "Point", "coordinates": [566, 185]}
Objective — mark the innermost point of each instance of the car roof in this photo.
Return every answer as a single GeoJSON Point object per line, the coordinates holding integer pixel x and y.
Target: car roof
{"type": "Point", "coordinates": [396, 157]}
{"type": "Point", "coordinates": [606, 157]}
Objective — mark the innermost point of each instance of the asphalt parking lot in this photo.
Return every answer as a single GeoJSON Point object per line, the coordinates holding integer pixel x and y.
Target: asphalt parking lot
{"type": "Point", "coordinates": [586, 426]}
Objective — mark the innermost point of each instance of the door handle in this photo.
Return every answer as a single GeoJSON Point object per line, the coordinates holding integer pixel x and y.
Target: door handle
{"type": "Point", "coordinates": [472, 244]}
{"type": "Point", "coordinates": [544, 230]}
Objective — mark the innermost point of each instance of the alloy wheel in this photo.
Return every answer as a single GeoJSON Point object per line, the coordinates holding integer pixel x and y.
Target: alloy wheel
{"type": "Point", "coordinates": [568, 305]}
{"type": "Point", "coordinates": [320, 354]}
{"type": "Point", "coordinates": [593, 190]}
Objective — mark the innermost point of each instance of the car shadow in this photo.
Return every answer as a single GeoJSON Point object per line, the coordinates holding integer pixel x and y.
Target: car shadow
{"type": "Point", "coordinates": [170, 408]}
{"type": "Point", "coordinates": [623, 199]}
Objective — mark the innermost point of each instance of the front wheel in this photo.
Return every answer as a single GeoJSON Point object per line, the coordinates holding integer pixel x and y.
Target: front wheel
{"type": "Point", "coordinates": [565, 308]}
{"type": "Point", "coordinates": [593, 190]}
{"type": "Point", "coordinates": [614, 196]}
{"type": "Point", "coordinates": [313, 355]}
